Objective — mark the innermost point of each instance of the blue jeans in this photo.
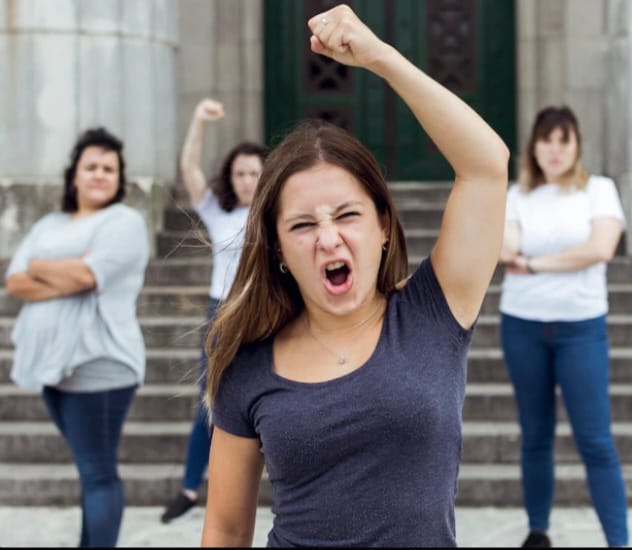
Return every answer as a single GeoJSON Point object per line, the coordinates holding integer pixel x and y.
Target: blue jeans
{"type": "Point", "coordinates": [573, 355]}
{"type": "Point", "coordinates": [91, 423]}
{"type": "Point", "coordinates": [201, 432]}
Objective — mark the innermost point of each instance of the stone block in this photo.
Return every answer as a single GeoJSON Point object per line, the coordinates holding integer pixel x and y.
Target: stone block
{"type": "Point", "coordinates": [137, 103]}
{"type": "Point", "coordinates": [99, 17]}
{"type": "Point", "coordinates": [585, 18]}
{"type": "Point", "coordinates": [98, 81]}
{"type": "Point", "coordinates": [21, 15]}
{"type": "Point", "coordinates": [136, 19]}
{"type": "Point", "coordinates": [165, 20]}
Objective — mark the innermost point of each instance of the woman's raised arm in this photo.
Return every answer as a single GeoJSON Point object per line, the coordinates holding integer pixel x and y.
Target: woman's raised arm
{"type": "Point", "coordinates": [470, 239]}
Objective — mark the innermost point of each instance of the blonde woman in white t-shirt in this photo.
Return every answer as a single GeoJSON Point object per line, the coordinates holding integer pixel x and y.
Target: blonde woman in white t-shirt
{"type": "Point", "coordinates": [562, 227]}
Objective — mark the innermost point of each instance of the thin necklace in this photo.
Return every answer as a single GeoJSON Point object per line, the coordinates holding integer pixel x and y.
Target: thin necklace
{"type": "Point", "coordinates": [342, 358]}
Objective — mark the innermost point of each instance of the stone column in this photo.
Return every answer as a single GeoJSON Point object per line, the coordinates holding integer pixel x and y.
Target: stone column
{"type": "Point", "coordinates": [618, 93]}
{"type": "Point", "coordinates": [67, 65]}
{"type": "Point", "coordinates": [221, 56]}
{"type": "Point", "coordinates": [562, 47]}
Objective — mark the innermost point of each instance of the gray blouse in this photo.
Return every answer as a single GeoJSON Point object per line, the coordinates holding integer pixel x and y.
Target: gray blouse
{"type": "Point", "coordinates": [54, 337]}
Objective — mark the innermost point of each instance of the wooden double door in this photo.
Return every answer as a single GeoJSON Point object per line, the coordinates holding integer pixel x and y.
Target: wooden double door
{"type": "Point", "coordinates": [467, 45]}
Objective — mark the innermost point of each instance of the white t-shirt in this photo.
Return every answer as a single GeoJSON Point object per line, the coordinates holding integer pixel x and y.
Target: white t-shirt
{"type": "Point", "coordinates": [552, 220]}
{"type": "Point", "coordinates": [227, 230]}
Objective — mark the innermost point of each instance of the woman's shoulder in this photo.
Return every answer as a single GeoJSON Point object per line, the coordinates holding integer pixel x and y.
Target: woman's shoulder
{"type": "Point", "coordinates": [125, 213]}
{"type": "Point", "coordinates": [249, 367]}
{"type": "Point", "coordinates": [51, 219]}
{"type": "Point", "coordinates": [595, 181]}
{"type": "Point", "coordinates": [54, 217]}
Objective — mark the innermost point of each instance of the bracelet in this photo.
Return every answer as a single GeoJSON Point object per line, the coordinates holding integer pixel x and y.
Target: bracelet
{"type": "Point", "coordinates": [530, 270]}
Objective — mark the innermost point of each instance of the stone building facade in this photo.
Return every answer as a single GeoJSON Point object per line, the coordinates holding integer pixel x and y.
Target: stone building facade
{"type": "Point", "coordinates": [140, 66]}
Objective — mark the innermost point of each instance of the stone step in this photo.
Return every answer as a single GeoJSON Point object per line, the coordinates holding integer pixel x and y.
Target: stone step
{"type": "Point", "coordinates": [164, 366]}
{"type": "Point", "coordinates": [153, 402]}
{"type": "Point", "coordinates": [23, 484]}
{"type": "Point", "coordinates": [496, 402]}
{"type": "Point", "coordinates": [163, 442]}
{"type": "Point", "coordinates": [500, 485]}
{"type": "Point", "coordinates": [414, 214]}
{"type": "Point", "coordinates": [619, 298]}
{"type": "Point", "coordinates": [197, 270]}
{"type": "Point", "coordinates": [192, 300]}
{"type": "Point", "coordinates": [186, 331]}
{"type": "Point", "coordinates": [487, 365]}
{"type": "Point", "coordinates": [195, 243]}
{"type": "Point", "coordinates": [168, 300]}
{"type": "Point", "coordinates": [178, 402]}
{"type": "Point", "coordinates": [178, 366]}
{"type": "Point", "coordinates": [182, 271]}
{"type": "Point", "coordinates": [487, 332]}
{"type": "Point", "coordinates": [179, 271]}
{"type": "Point", "coordinates": [159, 332]}
{"type": "Point", "coordinates": [428, 191]}
{"type": "Point", "coordinates": [402, 192]}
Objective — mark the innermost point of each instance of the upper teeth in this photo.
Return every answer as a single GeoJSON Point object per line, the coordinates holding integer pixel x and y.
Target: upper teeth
{"type": "Point", "coordinates": [334, 265]}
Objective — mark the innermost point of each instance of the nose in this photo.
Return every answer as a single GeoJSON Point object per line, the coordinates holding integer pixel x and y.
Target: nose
{"type": "Point", "coordinates": [328, 237]}
{"type": "Point", "coordinates": [557, 146]}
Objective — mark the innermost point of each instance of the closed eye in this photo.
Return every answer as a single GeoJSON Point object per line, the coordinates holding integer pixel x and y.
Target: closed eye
{"type": "Point", "coordinates": [347, 215]}
{"type": "Point", "coordinates": [301, 225]}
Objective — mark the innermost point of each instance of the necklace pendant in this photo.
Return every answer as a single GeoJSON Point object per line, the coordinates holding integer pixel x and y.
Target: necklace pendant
{"type": "Point", "coordinates": [342, 360]}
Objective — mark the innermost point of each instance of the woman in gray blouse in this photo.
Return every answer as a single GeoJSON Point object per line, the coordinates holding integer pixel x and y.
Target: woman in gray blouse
{"type": "Point", "coordinates": [77, 338]}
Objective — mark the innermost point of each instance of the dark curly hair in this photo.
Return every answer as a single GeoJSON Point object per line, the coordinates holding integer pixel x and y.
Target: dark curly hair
{"type": "Point", "coordinates": [222, 184]}
{"type": "Point", "coordinates": [92, 137]}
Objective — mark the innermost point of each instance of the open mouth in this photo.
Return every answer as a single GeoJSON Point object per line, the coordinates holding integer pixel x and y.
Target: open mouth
{"type": "Point", "coordinates": [337, 273]}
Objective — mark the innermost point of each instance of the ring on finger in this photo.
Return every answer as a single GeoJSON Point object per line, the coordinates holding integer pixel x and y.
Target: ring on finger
{"type": "Point", "coordinates": [324, 21]}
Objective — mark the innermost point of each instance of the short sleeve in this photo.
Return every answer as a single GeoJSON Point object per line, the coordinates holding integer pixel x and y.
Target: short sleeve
{"type": "Point", "coordinates": [231, 409]}
{"type": "Point", "coordinates": [20, 261]}
{"type": "Point", "coordinates": [119, 246]}
{"type": "Point", "coordinates": [604, 199]}
{"type": "Point", "coordinates": [424, 290]}
{"type": "Point", "coordinates": [511, 210]}
{"type": "Point", "coordinates": [208, 204]}
{"type": "Point", "coordinates": [23, 255]}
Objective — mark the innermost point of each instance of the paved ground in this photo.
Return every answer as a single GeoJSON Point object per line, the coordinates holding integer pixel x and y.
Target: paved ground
{"type": "Point", "coordinates": [476, 527]}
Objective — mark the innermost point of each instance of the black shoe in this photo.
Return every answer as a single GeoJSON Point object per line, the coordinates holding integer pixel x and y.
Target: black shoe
{"type": "Point", "coordinates": [536, 539]}
{"type": "Point", "coordinates": [178, 507]}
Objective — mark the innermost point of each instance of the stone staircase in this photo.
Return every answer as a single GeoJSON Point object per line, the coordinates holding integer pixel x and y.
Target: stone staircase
{"type": "Point", "coordinates": [36, 468]}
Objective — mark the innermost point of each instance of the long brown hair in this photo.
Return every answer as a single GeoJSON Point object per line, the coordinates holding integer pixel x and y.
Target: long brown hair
{"type": "Point", "coordinates": [262, 300]}
{"type": "Point", "coordinates": [547, 120]}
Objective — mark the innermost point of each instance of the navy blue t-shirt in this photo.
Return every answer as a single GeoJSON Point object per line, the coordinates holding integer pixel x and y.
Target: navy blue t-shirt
{"type": "Point", "coordinates": [370, 458]}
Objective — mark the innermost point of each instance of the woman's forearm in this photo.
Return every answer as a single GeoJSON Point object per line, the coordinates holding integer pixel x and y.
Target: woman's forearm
{"type": "Point", "coordinates": [511, 242]}
{"type": "Point", "coordinates": [68, 276]}
{"type": "Point", "coordinates": [573, 259]}
{"type": "Point", "coordinates": [25, 287]}
{"type": "Point", "coordinates": [207, 110]}
{"type": "Point", "coordinates": [600, 247]}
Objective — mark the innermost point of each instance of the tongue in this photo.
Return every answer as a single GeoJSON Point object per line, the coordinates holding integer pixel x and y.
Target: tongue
{"type": "Point", "coordinates": [338, 276]}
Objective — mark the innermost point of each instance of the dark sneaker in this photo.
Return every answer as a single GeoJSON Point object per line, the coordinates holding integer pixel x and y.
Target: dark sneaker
{"type": "Point", "coordinates": [536, 540]}
{"type": "Point", "coordinates": [178, 507]}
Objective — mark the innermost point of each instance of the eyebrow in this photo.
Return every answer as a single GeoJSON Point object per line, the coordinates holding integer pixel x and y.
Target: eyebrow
{"type": "Point", "coordinates": [337, 210]}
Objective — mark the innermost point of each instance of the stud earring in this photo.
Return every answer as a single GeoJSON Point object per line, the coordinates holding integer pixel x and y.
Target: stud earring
{"type": "Point", "coordinates": [283, 268]}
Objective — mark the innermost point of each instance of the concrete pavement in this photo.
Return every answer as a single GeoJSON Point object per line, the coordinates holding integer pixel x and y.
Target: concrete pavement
{"type": "Point", "coordinates": [476, 527]}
